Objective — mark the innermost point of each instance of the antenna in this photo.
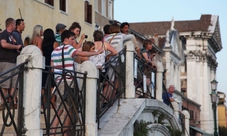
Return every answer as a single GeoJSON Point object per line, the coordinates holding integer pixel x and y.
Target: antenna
{"type": "Point", "coordinates": [20, 14]}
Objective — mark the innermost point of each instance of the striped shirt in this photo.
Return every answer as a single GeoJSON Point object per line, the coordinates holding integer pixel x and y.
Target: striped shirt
{"type": "Point", "coordinates": [118, 41]}
{"type": "Point", "coordinates": [56, 59]}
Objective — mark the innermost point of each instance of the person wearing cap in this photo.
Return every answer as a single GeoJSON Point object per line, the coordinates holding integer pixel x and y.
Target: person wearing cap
{"type": "Point", "coordinates": [59, 29]}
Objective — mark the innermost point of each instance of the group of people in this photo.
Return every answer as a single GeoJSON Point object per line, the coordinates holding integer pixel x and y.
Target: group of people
{"type": "Point", "coordinates": [104, 47]}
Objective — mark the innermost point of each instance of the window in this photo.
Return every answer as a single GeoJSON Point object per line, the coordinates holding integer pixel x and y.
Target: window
{"type": "Point", "coordinates": [62, 5]}
{"type": "Point", "coordinates": [50, 2]}
{"type": "Point", "coordinates": [104, 7]}
{"type": "Point", "coordinates": [191, 114]}
{"type": "Point", "coordinates": [110, 10]}
{"type": "Point", "coordinates": [87, 12]}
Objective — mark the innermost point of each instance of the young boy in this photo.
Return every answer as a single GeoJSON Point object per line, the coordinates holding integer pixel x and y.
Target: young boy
{"type": "Point", "coordinates": [70, 53]}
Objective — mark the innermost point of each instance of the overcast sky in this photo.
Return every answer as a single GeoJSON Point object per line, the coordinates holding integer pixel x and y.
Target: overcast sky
{"type": "Point", "coordinates": [164, 10]}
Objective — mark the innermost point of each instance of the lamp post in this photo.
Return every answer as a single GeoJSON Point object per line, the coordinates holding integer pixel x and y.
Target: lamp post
{"type": "Point", "coordinates": [214, 100]}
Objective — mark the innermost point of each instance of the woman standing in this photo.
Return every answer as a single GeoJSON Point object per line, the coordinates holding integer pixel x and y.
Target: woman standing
{"type": "Point", "coordinates": [36, 36]}
{"type": "Point", "coordinates": [76, 29]}
{"type": "Point", "coordinates": [47, 48]}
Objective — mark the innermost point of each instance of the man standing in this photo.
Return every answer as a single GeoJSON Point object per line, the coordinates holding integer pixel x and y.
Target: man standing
{"type": "Point", "coordinates": [68, 38]}
{"type": "Point", "coordinates": [59, 29]}
{"type": "Point", "coordinates": [125, 30]}
{"type": "Point", "coordinates": [9, 52]}
{"type": "Point", "coordinates": [20, 25]}
{"type": "Point", "coordinates": [168, 96]}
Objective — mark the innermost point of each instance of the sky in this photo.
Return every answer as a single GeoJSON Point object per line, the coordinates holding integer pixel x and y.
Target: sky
{"type": "Point", "coordinates": [165, 10]}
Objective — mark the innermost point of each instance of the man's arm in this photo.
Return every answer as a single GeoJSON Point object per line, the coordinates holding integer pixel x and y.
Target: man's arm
{"type": "Point", "coordinates": [6, 45]}
{"type": "Point", "coordinates": [87, 54]}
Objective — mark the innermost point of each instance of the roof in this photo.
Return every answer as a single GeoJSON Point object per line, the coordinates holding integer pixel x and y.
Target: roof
{"type": "Point", "coordinates": [200, 131]}
{"type": "Point", "coordinates": [207, 24]}
{"type": "Point", "coordinates": [146, 28]}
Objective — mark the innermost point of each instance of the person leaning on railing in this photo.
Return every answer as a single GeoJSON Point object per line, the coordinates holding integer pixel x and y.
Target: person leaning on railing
{"type": "Point", "coordinates": [168, 96]}
{"type": "Point", "coordinates": [116, 40]}
{"type": "Point", "coordinates": [147, 56]}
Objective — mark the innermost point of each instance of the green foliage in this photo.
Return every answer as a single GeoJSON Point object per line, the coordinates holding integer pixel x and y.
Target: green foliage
{"type": "Point", "coordinates": [175, 132]}
{"type": "Point", "coordinates": [222, 131]}
{"type": "Point", "coordinates": [161, 118]}
{"type": "Point", "coordinates": [155, 112]}
{"type": "Point", "coordinates": [141, 129]}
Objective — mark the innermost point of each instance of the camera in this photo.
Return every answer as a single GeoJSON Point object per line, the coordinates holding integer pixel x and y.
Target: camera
{"type": "Point", "coordinates": [86, 36]}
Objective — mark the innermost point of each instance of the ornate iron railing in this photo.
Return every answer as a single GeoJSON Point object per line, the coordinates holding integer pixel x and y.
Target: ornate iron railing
{"type": "Point", "coordinates": [144, 78]}
{"type": "Point", "coordinates": [71, 101]}
{"type": "Point", "coordinates": [111, 83]}
{"type": "Point", "coordinates": [10, 116]}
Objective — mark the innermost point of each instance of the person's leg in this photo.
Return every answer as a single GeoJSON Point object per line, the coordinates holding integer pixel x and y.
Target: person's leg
{"type": "Point", "coordinates": [55, 123]}
{"type": "Point", "coordinates": [4, 66]}
{"type": "Point", "coordinates": [13, 92]}
{"type": "Point", "coordinates": [5, 92]}
{"type": "Point", "coordinates": [67, 124]}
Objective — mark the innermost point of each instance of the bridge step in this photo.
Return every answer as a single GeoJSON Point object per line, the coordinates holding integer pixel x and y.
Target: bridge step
{"type": "Point", "coordinates": [9, 131]}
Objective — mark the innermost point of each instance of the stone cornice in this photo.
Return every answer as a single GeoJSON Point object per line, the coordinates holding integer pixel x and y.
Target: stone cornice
{"type": "Point", "coordinates": [201, 56]}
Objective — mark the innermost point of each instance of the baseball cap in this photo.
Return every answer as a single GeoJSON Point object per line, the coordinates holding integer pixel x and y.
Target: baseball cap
{"type": "Point", "coordinates": [60, 26]}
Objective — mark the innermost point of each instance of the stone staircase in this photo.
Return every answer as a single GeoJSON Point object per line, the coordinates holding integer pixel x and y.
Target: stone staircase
{"type": "Point", "coordinates": [10, 131]}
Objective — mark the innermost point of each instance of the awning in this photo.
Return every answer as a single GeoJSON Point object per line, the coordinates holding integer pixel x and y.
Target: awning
{"type": "Point", "coordinates": [200, 131]}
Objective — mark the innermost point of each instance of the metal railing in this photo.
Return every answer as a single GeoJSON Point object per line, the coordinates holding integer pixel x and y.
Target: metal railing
{"type": "Point", "coordinates": [9, 106]}
{"type": "Point", "coordinates": [111, 83]}
{"type": "Point", "coordinates": [71, 101]}
{"type": "Point", "coordinates": [144, 78]}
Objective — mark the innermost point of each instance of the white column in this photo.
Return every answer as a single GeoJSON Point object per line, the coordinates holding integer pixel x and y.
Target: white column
{"type": "Point", "coordinates": [168, 67]}
{"type": "Point", "coordinates": [175, 109]}
{"type": "Point", "coordinates": [91, 88]}
{"type": "Point", "coordinates": [130, 87]}
{"type": "Point", "coordinates": [32, 88]}
{"type": "Point", "coordinates": [159, 80]}
{"type": "Point", "coordinates": [186, 122]}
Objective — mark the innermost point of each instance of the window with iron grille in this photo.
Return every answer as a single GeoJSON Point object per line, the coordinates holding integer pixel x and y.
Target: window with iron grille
{"type": "Point", "coordinates": [87, 12]}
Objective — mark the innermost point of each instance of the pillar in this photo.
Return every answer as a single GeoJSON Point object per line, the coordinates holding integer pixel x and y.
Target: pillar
{"type": "Point", "coordinates": [32, 88]}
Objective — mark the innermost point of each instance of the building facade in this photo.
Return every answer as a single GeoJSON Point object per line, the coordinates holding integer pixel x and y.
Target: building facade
{"type": "Point", "coordinates": [199, 40]}
{"type": "Point", "coordinates": [50, 12]}
{"type": "Point", "coordinates": [221, 108]}
{"type": "Point", "coordinates": [104, 12]}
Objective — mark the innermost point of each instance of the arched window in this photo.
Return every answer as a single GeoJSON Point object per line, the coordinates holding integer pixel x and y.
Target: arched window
{"type": "Point", "coordinates": [87, 12]}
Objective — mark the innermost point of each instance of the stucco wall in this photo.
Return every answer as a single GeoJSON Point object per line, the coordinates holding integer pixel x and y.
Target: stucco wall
{"type": "Point", "coordinates": [36, 12]}
{"type": "Point", "coordinates": [222, 115]}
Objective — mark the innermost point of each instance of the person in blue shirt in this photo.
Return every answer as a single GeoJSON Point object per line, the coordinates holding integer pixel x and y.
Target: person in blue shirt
{"type": "Point", "coordinates": [167, 96]}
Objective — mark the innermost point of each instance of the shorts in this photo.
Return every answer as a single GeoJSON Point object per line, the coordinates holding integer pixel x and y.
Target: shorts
{"type": "Point", "coordinates": [112, 72]}
{"type": "Point", "coordinates": [10, 83]}
{"type": "Point", "coordinates": [59, 102]}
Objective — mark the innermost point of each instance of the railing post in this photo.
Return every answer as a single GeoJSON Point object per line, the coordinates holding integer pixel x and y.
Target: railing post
{"type": "Point", "coordinates": [130, 87]}
{"type": "Point", "coordinates": [91, 91]}
{"type": "Point", "coordinates": [32, 89]}
{"type": "Point", "coordinates": [186, 122]}
{"type": "Point", "coordinates": [176, 109]}
{"type": "Point", "coordinates": [159, 80]}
